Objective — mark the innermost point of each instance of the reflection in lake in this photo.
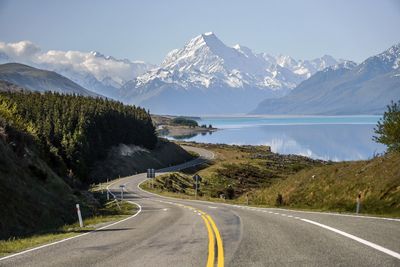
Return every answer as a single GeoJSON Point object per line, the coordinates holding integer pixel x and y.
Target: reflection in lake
{"type": "Point", "coordinates": [321, 140]}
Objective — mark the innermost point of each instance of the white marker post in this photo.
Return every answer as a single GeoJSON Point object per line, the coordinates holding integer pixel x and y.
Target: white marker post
{"type": "Point", "coordinates": [122, 191]}
{"type": "Point", "coordinates": [195, 192]}
{"type": "Point", "coordinates": [78, 210]}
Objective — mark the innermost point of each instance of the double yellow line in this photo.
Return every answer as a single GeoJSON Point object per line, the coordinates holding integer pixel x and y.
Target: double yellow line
{"type": "Point", "coordinates": [213, 235]}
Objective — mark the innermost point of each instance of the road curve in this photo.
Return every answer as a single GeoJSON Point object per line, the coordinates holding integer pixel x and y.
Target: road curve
{"type": "Point", "coordinates": [174, 232]}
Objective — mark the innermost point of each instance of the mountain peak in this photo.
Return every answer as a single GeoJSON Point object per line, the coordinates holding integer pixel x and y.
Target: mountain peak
{"type": "Point", "coordinates": [208, 39]}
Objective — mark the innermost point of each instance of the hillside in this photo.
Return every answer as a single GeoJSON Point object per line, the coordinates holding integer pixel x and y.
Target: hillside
{"type": "Point", "coordinates": [346, 89]}
{"type": "Point", "coordinates": [53, 147]}
{"type": "Point", "coordinates": [335, 187]}
{"type": "Point", "coordinates": [256, 175]}
{"type": "Point", "coordinates": [10, 87]}
{"type": "Point", "coordinates": [40, 80]}
{"type": "Point", "coordinates": [77, 131]}
{"type": "Point", "coordinates": [32, 196]}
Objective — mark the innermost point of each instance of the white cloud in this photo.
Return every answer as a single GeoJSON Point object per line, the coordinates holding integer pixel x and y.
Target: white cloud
{"type": "Point", "coordinates": [24, 50]}
{"type": "Point", "coordinates": [108, 69]}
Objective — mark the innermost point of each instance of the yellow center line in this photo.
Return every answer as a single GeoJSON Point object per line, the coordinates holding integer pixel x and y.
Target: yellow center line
{"type": "Point", "coordinates": [219, 242]}
{"type": "Point", "coordinates": [212, 230]}
{"type": "Point", "coordinates": [211, 253]}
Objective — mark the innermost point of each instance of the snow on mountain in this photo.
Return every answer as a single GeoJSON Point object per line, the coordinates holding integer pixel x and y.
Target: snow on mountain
{"type": "Point", "coordinates": [344, 89]}
{"type": "Point", "coordinates": [207, 60]}
{"type": "Point", "coordinates": [206, 64]}
{"type": "Point", "coordinates": [92, 70]}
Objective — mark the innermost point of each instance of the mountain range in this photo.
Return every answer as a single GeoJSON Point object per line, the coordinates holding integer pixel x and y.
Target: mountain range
{"type": "Point", "coordinates": [208, 77]}
{"type": "Point", "coordinates": [344, 89]}
{"type": "Point", "coordinates": [205, 76]}
{"type": "Point", "coordinates": [92, 70]}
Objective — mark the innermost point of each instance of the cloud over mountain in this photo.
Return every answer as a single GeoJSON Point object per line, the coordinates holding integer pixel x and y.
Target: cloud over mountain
{"type": "Point", "coordinates": [89, 69]}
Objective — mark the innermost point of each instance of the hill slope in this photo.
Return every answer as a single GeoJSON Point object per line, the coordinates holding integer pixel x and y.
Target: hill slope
{"type": "Point", "coordinates": [40, 80]}
{"type": "Point", "coordinates": [336, 186]}
{"type": "Point", "coordinates": [32, 196]}
{"type": "Point", "coordinates": [347, 89]}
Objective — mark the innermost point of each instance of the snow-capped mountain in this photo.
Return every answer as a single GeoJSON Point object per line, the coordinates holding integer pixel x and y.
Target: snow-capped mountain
{"type": "Point", "coordinates": [92, 70]}
{"type": "Point", "coordinates": [345, 89]}
{"type": "Point", "coordinates": [217, 78]}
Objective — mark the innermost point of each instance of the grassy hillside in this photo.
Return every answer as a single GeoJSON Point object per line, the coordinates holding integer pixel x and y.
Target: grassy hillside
{"type": "Point", "coordinates": [52, 147]}
{"type": "Point", "coordinates": [242, 172]}
{"type": "Point", "coordinates": [237, 170]}
{"type": "Point", "coordinates": [76, 131]}
{"type": "Point", "coordinates": [335, 187]}
{"type": "Point", "coordinates": [32, 196]}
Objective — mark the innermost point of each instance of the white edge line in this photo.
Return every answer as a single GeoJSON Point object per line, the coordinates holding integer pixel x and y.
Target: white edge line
{"type": "Point", "coordinates": [339, 214]}
{"type": "Point", "coordinates": [360, 240]}
{"type": "Point", "coordinates": [73, 237]}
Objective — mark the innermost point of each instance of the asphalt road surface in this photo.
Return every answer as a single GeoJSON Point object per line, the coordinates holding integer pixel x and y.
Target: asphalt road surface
{"type": "Point", "coordinates": [173, 232]}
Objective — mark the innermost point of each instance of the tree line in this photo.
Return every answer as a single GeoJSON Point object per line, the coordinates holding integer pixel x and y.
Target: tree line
{"type": "Point", "coordinates": [75, 131]}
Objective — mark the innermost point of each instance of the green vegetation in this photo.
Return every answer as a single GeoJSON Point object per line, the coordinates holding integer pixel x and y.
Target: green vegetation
{"type": "Point", "coordinates": [388, 128]}
{"type": "Point", "coordinates": [253, 174]}
{"type": "Point", "coordinates": [335, 187]}
{"type": "Point", "coordinates": [184, 122]}
{"type": "Point", "coordinates": [110, 212]}
{"type": "Point", "coordinates": [236, 171]}
{"type": "Point", "coordinates": [75, 131]}
{"type": "Point", "coordinates": [48, 145]}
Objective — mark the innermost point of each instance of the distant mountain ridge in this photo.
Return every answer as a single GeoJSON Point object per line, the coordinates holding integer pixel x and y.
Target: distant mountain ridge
{"type": "Point", "coordinates": [92, 70]}
{"type": "Point", "coordinates": [345, 89]}
{"type": "Point", "coordinates": [208, 77]}
{"type": "Point", "coordinates": [34, 79]}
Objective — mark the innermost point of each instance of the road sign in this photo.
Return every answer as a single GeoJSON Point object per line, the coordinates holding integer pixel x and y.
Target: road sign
{"type": "Point", "coordinates": [151, 173]}
{"type": "Point", "coordinates": [197, 179]}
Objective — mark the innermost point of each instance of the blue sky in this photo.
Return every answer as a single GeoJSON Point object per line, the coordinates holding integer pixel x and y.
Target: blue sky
{"type": "Point", "coordinates": [148, 30]}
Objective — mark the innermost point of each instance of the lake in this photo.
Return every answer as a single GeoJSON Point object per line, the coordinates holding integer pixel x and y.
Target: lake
{"type": "Point", "coordinates": [333, 138]}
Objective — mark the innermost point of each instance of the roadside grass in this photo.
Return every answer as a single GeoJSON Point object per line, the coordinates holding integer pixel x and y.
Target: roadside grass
{"type": "Point", "coordinates": [109, 213]}
{"type": "Point", "coordinates": [242, 201]}
{"type": "Point", "coordinates": [258, 177]}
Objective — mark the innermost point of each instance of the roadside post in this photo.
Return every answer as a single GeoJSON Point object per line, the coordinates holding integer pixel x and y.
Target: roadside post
{"type": "Point", "coordinates": [78, 210]}
{"type": "Point", "coordinates": [108, 193]}
{"type": "Point", "coordinates": [247, 199]}
{"type": "Point", "coordinates": [197, 179]}
{"type": "Point", "coordinates": [358, 203]}
{"type": "Point", "coordinates": [151, 173]}
{"type": "Point", "coordinates": [122, 191]}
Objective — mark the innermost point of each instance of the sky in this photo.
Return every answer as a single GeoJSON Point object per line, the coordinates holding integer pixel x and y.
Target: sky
{"type": "Point", "coordinates": [148, 30]}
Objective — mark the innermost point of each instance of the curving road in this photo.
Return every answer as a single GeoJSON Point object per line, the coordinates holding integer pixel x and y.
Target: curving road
{"type": "Point", "coordinates": [173, 232]}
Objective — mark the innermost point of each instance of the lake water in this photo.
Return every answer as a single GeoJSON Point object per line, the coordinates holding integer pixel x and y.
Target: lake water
{"type": "Point", "coordinates": [330, 138]}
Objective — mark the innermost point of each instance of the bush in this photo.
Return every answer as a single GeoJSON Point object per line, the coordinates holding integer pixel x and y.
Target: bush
{"type": "Point", "coordinates": [388, 128]}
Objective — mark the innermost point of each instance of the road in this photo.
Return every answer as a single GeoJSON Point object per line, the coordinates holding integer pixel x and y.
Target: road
{"type": "Point", "coordinates": [173, 232]}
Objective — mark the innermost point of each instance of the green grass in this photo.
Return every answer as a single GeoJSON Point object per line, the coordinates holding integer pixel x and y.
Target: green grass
{"type": "Point", "coordinates": [304, 184]}
{"type": "Point", "coordinates": [111, 211]}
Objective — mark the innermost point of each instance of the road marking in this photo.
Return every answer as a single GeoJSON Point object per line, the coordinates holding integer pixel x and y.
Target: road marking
{"type": "Point", "coordinates": [339, 214]}
{"type": "Point", "coordinates": [212, 207]}
{"type": "Point", "coordinates": [73, 237]}
{"type": "Point", "coordinates": [360, 240]}
{"type": "Point", "coordinates": [211, 256]}
{"type": "Point", "coordinates": [219, 242]}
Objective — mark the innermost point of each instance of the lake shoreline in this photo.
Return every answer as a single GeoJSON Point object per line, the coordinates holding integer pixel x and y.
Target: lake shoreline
{"type": "Point", "coordinates": [335, 138]}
